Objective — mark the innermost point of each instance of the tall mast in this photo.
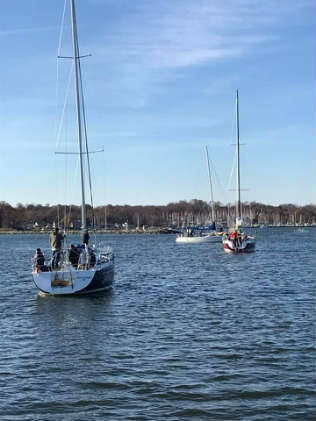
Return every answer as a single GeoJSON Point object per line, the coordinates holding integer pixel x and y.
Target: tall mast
{"type": "Point", "coordinates": [78, 107]}
{"type": "Point", "coordinates": [210, 181]}
{"type": "Point", "coordinates": [238, 204]}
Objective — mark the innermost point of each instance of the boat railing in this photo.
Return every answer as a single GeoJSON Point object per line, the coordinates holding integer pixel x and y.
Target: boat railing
{"type": "Point", "coordinates": [105, 255]}
{"type": "Point", "coordinates": [87, 258]}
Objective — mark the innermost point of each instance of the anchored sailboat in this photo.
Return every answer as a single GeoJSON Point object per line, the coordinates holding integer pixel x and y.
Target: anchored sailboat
{"type": "Point", "coordinates": [237, 241]}
{"type": "Point", "coordinates": [211, 187]}
{"type": "Point", "coordinates": [208, 235]}
{"type": "Point", "coordinates": [217, 230]}
{"type": "Point", "coordinates": [79, 269]}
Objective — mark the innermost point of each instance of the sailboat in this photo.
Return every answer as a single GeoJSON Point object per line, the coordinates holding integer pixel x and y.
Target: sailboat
{"type": "Point", "coordinates": [212, 225]}
{"type": "Point", "coordinates": [237, 241]}
{"type": "Point", "coordinates": [85, 268]}
{"type": "Point", "coordinates": [192, 235]}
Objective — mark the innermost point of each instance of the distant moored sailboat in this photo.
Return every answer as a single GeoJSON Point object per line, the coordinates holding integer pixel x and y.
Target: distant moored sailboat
{"type": "Point", "coordinates": [237, 241]}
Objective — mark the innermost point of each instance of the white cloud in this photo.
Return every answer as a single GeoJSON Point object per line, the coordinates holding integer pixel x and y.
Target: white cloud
{"type": "Point", "coordinates": [188, 33]}
{"type": "Point", "coordinates": [151, 43]}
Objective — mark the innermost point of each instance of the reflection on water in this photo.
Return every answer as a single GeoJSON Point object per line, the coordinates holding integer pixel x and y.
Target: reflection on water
{"type": "Point", "coordinates": [187, 333]}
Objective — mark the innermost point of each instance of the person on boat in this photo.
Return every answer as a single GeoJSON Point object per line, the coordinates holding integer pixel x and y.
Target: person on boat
{"type": "Point", "coordinates": [93, 258]}
{"type": "Point", "coordinates": [56, 241]}
{"type": "Point", "coordinates": [73, 255]}
{"type": "Point", "coordinates": [84, 258]}
{"type": "Point", "coordinates": [239, 239]}
{"type": "Point", "coordinates": [39, 260]}
{"type": "Point", "coordinates": [233, 237]}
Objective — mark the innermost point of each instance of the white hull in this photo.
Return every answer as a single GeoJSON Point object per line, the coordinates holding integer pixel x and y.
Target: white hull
{"type": "Point", "coordinates": [70, 281]}
{"type": "Point", "coordinates": [244, 246]}
{"type": "Point", "coordinates": [203, 239]}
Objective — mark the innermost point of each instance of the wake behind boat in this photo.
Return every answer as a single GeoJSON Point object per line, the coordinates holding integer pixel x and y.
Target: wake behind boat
{"type": "Point", "coordinates": [80, 268]}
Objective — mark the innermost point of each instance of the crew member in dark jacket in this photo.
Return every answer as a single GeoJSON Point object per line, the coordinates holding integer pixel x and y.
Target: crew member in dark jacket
{"type": "Point", "coordinates": [39, 259]}
{"type": "Point", "coordinates": [73, 255]}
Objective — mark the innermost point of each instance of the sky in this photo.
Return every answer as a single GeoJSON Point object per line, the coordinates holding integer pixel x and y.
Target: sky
{"type": "Point", "coordinates": [159, 86]}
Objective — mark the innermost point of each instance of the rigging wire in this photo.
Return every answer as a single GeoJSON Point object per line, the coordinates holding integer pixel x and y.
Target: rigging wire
{"type": "Point", "coordinates": [61, 123]}
{"type": "Point", "coordinates": [61, 28]}
{"type": "Point", "coordinates": [234, 164]}
{"type": "Point", "coordinates": [57, 91]}
{"type": "Point", "coordinates": [212, 164]}
{"type": "Point", "coordinates": [75, 177]}
{"type": "Point", "coordinates": [61, 31]}
{"type": "Point", "coordinates": [58, 139]}
{"type": "Point", "coordinates": [86, 145]}
{"type": "Point", "coordinates": [62, 117]}
{"type": "Point", "coordinates": [231, 174]}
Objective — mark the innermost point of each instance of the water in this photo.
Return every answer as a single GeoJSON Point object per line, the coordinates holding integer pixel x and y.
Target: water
{"type": "Point", "coordinates": [188, 333]}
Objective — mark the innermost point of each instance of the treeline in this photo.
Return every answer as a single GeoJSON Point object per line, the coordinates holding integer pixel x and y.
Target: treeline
{"type": "Point", "coordinates": [30, 216]}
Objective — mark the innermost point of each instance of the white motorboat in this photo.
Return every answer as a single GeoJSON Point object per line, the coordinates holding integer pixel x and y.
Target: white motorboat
{"type": "Point", "coordinates": [93, 269]}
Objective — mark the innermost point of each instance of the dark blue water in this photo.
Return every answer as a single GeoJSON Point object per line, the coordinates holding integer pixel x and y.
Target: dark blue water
{"type": "Point", "coordinates": [188, 333]}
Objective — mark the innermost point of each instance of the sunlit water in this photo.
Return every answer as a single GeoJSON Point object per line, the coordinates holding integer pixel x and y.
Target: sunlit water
{"type": "Point", "coordinates": [187, 333]}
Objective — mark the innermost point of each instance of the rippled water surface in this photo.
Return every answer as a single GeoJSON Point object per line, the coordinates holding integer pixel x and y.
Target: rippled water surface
{"type": "Point", "coordinates": [187, 333]}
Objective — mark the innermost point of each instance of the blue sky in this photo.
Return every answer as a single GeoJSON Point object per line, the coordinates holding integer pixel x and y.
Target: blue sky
{"type": "Point", "coordinates": [160, 85]}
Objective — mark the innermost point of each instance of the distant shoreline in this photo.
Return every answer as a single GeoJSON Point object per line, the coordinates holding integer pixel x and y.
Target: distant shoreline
{"type": "Point", "coordinates": [120, 232]}
{"type": "Point", "coordinates": [36, 232]}
{"type": "Point", "coordinates": [158, 230]}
